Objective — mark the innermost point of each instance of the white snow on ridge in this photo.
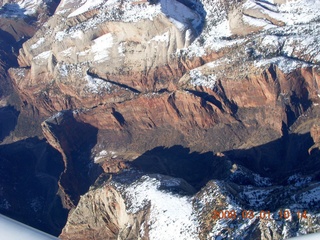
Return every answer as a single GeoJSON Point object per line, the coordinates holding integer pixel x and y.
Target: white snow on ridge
{"type": "Point", "coordinates": [60, 35]}
{"type": "Point", "coordinates": [171, 216]}
{"type": "Point", "coordinates": [198, 79]}
{"type": "Point", "coordinates": [77, 34]}
{"type": "Point", "coordinates": [285, 64]}
{"type": "Point", "coordinates": [96, 85]}
{"type": "Point", "coordinates": [101, 47]}
{"type": "Point", "coordinates": [134, 13]}
{"type": "Point", "coordinates": [68, 51]}
{"type": "Point", "coordinates": [161, 38]}
{"type": "Point", "coordinates": [30, 6]}
{"type": "Point", "coordinates": [43, 55]}
{"type": "Point", "coordinates": [217, 27]}
{"type": "Point", "coordinates": [87, 5]}
{"type": "Point", "coordinates": [291, 12]}
{"type": "Point", "coordinates": [103, 154]}
{"type": "Point", "coordinates": [256, 22]}
{"type": "Point", "coordinates": [38, 43]}
{"type": "Point", "coordinates": [300, 11]}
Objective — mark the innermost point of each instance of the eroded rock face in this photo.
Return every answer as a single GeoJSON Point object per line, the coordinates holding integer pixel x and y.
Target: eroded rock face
{"type": "Point", "coordinates": [315, 131]}
{"type": "Point", "coordinates": [102, 214]}
{"type": "Point", "coordinates": [70, 56]}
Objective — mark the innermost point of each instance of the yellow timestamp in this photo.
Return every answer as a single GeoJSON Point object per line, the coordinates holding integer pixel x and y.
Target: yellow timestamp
{"type": "Point", "coordinates": [263, 214]}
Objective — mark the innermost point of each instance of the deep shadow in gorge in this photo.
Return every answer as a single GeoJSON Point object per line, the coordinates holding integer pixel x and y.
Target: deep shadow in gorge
{"type": "Point", "coordinates": [196, 168]}
{"type": "Point", "coordinates": [33, 174]}
{"type": "Point", "coordinates": [74, 140]}
{"type": "Point", "coordinates": [277, 160]}
{"type": "Point", "coordinates": [8, 121]}
{"type": "Point", "coordinates": [30, 170]}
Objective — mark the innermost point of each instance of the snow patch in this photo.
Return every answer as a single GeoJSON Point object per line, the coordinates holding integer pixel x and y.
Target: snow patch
{"type": "Point", "coordinates": [38, 43]}
{"type": "Point", "coordinates": [60, 35]}
{"type": "Point", "coordinates": [96, 85]}
{"type": "Point", "coordinates": [198, 79]}
{"type": "Point", "coordinates": [255, 21]}
{"type": "Point", "coordinates": [87, 5]}
{"type": "Point", "coordinates": [255, 197]}
{"type": "Point", "coordinates": [63, 70]}
{"type": "Point", "coordinates": [261, 181]}
{"type": "Point", "coordinates": [67, 52]}
{"type": "Point", "coordinates": [170, 215]}
{"type": "Point", "coordinates": [121, 49]}
{"type": "Point", "coordinates": [44, 55]}
{"type": "Point", "coordinates": [298, 180]}
{"type": "Point", "coordinates": [161, 38]}
{"type": "Point", "coordinates": [285, 64]}
{"type": "Point", "coordinates": [77, 34]}
{"type": "Point", "coordinates": [104, 154]}
{"type": "Point", "coordinates": [101, 47]}
{"type": "Point", "coordinates": [30, 6]}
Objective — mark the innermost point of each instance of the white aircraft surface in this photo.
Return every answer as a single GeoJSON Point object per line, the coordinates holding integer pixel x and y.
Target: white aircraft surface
{"type": "Point", "coordinates": [13, 230]}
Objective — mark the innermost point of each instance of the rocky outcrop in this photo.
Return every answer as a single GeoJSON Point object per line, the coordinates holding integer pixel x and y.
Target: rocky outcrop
{"type": "Point", "coordinates": [19, 22]}
{"type": "Point", "coordinates": [105, 217]}
{"type": "Point", "coordinates": [315, 131]}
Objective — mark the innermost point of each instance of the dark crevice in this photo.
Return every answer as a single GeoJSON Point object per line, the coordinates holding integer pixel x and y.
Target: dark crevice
{"type": "Point", "coordinates": [119, 117]}
{"type": "Point", "coordinates": [76, 140]}
{"type": "Point", "coordinates": [208, 98]}
{"type": "Point", "coordinates": [112, 82]}
{"type": "Point", "coordinates": [230, 104]}
{"type": "Point", "coordinates": [282, 54]}
{"type": "Point", "coordinates": [8, 121]}
{"type": "Point", "coordinates": [272, 71]}
{"type": "Point", "coordinates": [265, 7]}
{"type": "Point", "coordinates": [171, 101]}
{"type": "Point", "coordinates": [164, 90]}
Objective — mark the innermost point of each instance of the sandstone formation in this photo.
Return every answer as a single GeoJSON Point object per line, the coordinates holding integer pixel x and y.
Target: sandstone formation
{"type": "Point", "coordinates": [105, 215]}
